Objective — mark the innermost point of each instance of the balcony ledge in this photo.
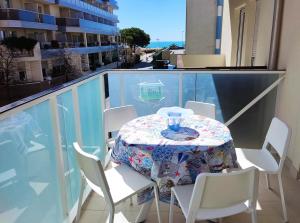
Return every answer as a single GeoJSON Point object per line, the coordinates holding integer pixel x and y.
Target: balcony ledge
{"type": "Point", "coordinates": [25, 24]}
{"type": "Point", "coordinates": [77, 50]}
{"type": "Point", "coordinates": [90, 27]}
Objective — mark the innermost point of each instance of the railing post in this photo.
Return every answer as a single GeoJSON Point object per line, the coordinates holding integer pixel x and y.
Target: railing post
{"type": "Point", "coordinates": [102, 92]}
{"type": "Point", "coordinates": [180, 89]}
{"type": "Point", "coordinates": [59, 155]}
{"type": "Point", "coordinates": [77, 114]}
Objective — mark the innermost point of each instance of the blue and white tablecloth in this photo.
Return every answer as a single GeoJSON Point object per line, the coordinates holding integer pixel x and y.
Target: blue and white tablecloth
{"type": "Point", "coordinates": [142, 144]}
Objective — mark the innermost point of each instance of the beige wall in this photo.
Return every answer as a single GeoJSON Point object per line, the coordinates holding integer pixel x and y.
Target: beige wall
{"type": "Point", "coordinates": [201, 26]}
{"type": "Point", "coordinates": [226, 41]}
{"type": "Point", "coordinates": [34, 73]}
{"type": "Point", "coordinates": [54, 10]}
{"type": "Point", "coordinates": [288, 101]}
{"type": "Point", "coordinates": [18, 4]}
{"type": "Point", "coordinates": [264, 32]}
{"type": "Point", "coordinates": [200, 61]}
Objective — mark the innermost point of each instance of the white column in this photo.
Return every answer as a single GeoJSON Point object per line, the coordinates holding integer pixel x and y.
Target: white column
{"type": "Point", "coordinates": [85, 62]}
{"type": "Point", "coordinates": [99, 54]}
{"type": "Point", "coordinates": [84, 39]}
{"type": "Point", "coordinates": [99, 39]}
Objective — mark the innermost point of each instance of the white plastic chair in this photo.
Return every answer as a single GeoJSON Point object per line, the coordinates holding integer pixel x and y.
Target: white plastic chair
{"type": "Point", "coordinates": [278, 136]}
{"type": "Point", "coordinates": [115, 118]}
{"type": "Point", "coordinates": [115, 184]}
{"type": "Point", "coordinates": [217, 195]}
{"type": "Point", "coordinates": [201, 108]}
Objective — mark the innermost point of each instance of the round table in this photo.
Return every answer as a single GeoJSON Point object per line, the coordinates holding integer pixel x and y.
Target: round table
{"type": "Point", "coordinates": [141, 145]}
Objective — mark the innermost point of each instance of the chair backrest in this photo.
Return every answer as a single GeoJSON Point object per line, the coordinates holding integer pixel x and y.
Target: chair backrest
{"type": "Point", "coordinates": [223, 190]}
{"type": "Point", "coordinates": [115, 118]}
{"type": "Point", "coordinates": [201, 108]}
{"type": "Point", "coordinates": [278, 136]}
{"type": "Point", "coordinates": [92, 170]}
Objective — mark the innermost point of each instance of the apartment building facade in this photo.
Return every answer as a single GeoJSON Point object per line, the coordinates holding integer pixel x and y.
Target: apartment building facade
{"type": "Point", "coordinates": [84, 30]}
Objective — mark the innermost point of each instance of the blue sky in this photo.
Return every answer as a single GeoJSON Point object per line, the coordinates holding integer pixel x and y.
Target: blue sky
{"type": "Point", "coordinates": [162, 19]}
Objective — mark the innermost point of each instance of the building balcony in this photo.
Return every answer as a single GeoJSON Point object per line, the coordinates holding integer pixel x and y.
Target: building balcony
{"type": "Point", "coordinates": [39, 176]}
{"type": "Point", "coordinates": [87, 26]}
{"type": "Point", "coordinates": [88, 8]}
{"type": "Point", "coordinates": [49, 1]}
{"type": "Point", "coordinates": [27, 55]}
{"type": "Point", "coordinates": [17, 18]}
{"type": "Point", "coordinates": [113, 3]}
{"type": "Point", "coordinates": [75, 48]}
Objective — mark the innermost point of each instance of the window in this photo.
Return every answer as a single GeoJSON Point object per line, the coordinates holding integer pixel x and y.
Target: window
{"type": "Point", "coordinates": [22, 76]}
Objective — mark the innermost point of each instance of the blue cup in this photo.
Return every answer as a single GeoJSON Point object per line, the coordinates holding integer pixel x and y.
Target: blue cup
{"type": "Point", "coordinates": [174, 120]}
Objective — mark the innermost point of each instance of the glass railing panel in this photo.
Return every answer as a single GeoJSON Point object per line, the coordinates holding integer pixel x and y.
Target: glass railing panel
{"type": "Point", "coordinates": [99, 27]}
{"type": "Point", "coordinates": [90, 109]}
{"type": "Point", "coordinates": [28, 16]}
{"type": "Point", "coordinates": [201, 88]}
{"type": "Point", "coordinates": [68, 136]}
{"type": "Point", "coordinates": [29, 187]}
{"type": "Point", "coordinates": [147, 93]}
{"type": "Point", "coordinates": [233, 93]}
{"type": "Point", "coordinates": [48, 19]}
{"type": "Point", "coordinates": [87, 8]}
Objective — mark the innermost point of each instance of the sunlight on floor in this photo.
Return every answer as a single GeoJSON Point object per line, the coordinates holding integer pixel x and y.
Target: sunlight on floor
{"type": "Point", "coordinates": [268, 206]}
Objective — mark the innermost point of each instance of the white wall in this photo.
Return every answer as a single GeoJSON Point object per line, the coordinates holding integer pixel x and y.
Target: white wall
{"type": "Point", "coordinates": [230, 27]}
{"type": "Point", "coordinates": [226, 40]}
{"type": "Point", "coordinates": [201, 19]}
{"type": "Point", "coordinates": [288, 101]}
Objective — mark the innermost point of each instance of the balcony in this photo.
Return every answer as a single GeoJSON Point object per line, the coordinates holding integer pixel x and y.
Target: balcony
{"type": "Point", "coordinates": [82, 25]}
{"type": "Point", "coordinates": [39, 178]}
{"type": "Point", "coordinates": [88, 8]}
{"type": "Point", "coordinates": [113, 3]}
{"type": "Point", "coordinates": [17, 18]}
{"type": "Point", "coordinates": [48, 51]}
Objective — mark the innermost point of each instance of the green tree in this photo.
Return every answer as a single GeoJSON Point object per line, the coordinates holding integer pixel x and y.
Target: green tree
{"type": "Point", "coordinates": [135, 37]}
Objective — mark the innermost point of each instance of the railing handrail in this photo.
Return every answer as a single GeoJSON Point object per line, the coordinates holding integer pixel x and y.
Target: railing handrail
{"type": "Point", "coordinates": [199, 71]}
{"type": "Point", "coordinates": [26, 10]}
{"type": "Point", "coordinates": [67, 86]}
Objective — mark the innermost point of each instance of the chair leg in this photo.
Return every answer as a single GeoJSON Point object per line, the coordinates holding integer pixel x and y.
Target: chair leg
{"type": "Point", "coordinates": [268, 181]}
{"type": "Point", "coordinates": [111, 214]}
{"type": "Point", "coordinates": [285, 217]}
{"type": "Point", "coordinates": [82, 184]}
{"type": "Point", "coordinates": [157, 203]}
{"type": "Point", "coordinates": [131, 201]}
{"type": "Point", "coordinates": [171, 207]}
{"type": "Point", "coordinates": [254, 216]}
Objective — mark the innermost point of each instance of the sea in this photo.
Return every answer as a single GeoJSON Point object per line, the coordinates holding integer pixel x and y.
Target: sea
{"type": "Point", "coordinates": [163, 44]}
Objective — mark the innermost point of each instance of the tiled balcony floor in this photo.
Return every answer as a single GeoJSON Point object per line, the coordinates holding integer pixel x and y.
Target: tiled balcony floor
{"type": "Point", "coordinates": [269, 209]}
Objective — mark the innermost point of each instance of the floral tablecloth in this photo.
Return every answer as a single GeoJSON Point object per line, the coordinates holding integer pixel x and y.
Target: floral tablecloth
{"type": "Point", "coordinates": [142, 144]}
